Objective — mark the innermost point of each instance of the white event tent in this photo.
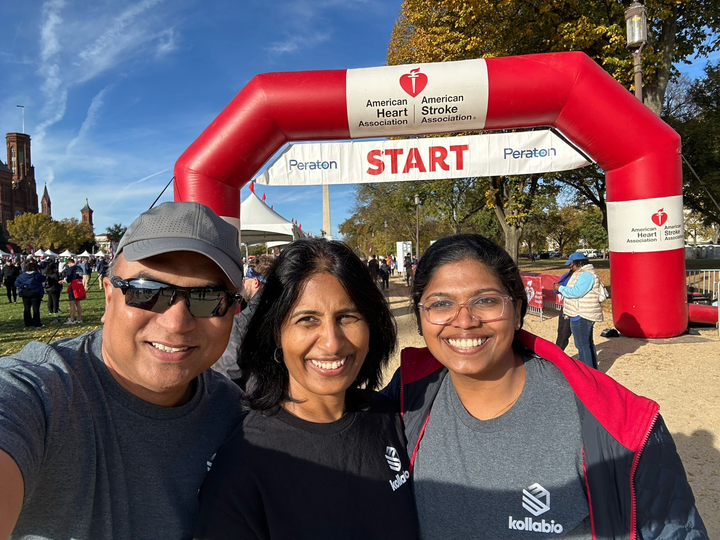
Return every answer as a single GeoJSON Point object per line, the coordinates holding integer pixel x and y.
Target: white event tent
{"type": "Point", "coordinates": [259, 223]}
{"type": "Point", "coordinates": [67, 253]}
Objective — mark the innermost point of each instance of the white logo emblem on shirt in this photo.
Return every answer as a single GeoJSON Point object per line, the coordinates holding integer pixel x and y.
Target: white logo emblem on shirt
{"type": "Point", "coordinates": [393, 459]}
{"type": "Point", "coordinates": [536, 500]}
{"type": "Point", "coordinates": [532, 499]}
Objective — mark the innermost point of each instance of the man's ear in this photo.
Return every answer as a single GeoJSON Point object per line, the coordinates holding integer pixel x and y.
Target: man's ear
{"type": "Point", "coordinates": [108, 290]}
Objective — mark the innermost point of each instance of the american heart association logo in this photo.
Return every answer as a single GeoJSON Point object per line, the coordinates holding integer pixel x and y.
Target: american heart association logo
{"type": "Point", "coordinates": [659, 218]}
{"type": "Point", "coordinates": [414, 82]}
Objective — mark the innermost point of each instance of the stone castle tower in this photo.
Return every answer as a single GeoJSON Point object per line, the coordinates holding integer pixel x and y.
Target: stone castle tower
{"type": "Point", "coordinates": [87, 214]}
{"type": "Point", "coordinates": [45, 203]}
{"type": "Point", "coordinates": [18, 192]}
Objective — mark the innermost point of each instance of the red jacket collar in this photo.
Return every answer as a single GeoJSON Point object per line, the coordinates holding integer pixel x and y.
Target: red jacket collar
{"type": "Point", "coordinates": [626, 416]}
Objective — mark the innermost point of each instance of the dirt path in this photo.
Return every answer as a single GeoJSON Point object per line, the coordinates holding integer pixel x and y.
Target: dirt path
{"type": "Point", "coordinates": [682, 374]}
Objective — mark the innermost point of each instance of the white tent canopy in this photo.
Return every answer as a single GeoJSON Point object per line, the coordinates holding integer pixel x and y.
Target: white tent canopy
{"type": "Point", "coordinates": [49, 253]}
{"type": "Point", "coordinates": [100, 253]}
{"type": "Point", "coordinates": [85, 254]}
{"type": "Point", "coordinates": [259, 223]}
{"type": "Point", "coordinates": [67, 253]}
{"type": "Point", "coordinates": [3, 254]}
{"type": "Point", "coordinates": [39, 253]}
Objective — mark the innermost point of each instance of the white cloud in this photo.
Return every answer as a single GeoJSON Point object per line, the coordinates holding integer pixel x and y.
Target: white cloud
{"type": "Point", "coordinates": [166, 43]}
{"type": "Point", "coordinates": [49, 44]}
{"type": "Point", "coordinates": [90, 118]}
{"type": "Point", "coordinates": [121, 194]}
{"type": "Point", "coordinates": [108, 40]}
{"type": "Point", "coordinates": [298, 42]}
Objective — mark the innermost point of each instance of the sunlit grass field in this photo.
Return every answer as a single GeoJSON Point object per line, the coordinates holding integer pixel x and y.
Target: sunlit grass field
{"type": "Point", "coordinates": [14, 336]}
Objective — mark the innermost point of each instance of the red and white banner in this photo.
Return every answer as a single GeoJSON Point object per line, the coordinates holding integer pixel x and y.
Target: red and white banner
{"type": "Point", "coordinates": [425, 98]}
{"type": "Point", "coordinates": [533, 289]}
{"type": "Point", "coordinates": [493, 154]}
{"type": "Point", "coordinates": [646, 225]}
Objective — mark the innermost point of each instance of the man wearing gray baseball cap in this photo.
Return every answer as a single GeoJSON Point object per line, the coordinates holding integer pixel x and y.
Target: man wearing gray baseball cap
{"type": "Point", "coordinates": [109, 435]}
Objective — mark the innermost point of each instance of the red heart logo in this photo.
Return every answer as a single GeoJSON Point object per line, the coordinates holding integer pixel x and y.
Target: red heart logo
{"type": "Point", "coordinates": [659, 218]}
{"type": "Point", "coordinates": [414, 82]}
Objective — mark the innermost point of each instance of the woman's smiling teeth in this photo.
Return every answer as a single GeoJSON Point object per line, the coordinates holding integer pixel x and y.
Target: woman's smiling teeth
{"type": "Point", "coordinates": [165, 348]}
{"type": "Point", "coordinates": [466, 343]}
{"type": "Point", "coordinates": [329, 365]}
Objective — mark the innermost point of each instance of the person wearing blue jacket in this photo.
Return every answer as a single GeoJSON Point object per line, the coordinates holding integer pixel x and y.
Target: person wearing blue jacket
{"type": "Point", "coordinates": [30, 285]}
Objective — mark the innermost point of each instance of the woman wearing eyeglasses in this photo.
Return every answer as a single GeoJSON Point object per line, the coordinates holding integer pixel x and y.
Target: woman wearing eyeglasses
{"type": "Point", "coordinates": [319, 454]}
{"type": "Point", "coordinates": [508, 435]}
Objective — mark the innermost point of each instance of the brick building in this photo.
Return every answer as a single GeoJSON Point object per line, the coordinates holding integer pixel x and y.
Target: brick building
{"type": "Point", "coordinates": [18, 191]}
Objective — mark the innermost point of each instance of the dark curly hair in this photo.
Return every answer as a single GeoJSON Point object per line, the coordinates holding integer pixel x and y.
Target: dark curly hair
{"type": "Point", "coordinates": [460, 247]}
{"type": "Point", "coordinates": [265, 380]}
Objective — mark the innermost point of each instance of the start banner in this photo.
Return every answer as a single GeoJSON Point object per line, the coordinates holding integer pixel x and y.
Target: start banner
{"type": "Point", "coordinates": [470, 156]}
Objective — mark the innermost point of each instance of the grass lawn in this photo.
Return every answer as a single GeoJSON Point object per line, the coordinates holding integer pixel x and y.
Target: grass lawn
{"type": "Point", "coordinates": [14, 336]}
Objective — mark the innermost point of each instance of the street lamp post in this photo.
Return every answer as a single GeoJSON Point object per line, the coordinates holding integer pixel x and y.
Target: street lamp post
{"type": "Point", "coordinates": [417, 227]}
{"type": "Point", "coordinates": [386, 248]}
{"type": "Point", "coordinates": [636, 25]}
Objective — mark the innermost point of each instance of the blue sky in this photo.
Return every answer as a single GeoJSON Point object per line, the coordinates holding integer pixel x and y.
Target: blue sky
{"type": "Point", "coordinates": [115, 91]}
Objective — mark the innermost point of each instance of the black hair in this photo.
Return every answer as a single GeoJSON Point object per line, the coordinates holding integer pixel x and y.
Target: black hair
{"type": "Point", "coordinates": [582, 262]}
{"type": "Point", "coordinates": [30, 266]}
{"type": "Point", "coordinates": [460, 247]}
{"type": "Point", "coordinates": [264, 378]}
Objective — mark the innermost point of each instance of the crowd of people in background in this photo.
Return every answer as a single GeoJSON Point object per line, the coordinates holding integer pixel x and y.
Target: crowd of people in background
{"type": "Point", "coordinates": [33, 279]}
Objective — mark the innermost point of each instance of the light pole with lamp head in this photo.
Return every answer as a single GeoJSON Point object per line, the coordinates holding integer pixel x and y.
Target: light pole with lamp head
{"type": "Point", "coordinates": [386, 248]}
{"type": "Point", "coordinates": [636, 23]}
{"type": "Point", "coordinates": [417, 227]}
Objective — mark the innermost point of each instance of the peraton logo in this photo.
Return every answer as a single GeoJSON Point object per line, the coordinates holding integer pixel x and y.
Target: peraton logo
{"type": "Point", "coordinates": [393, 459]}
{"type": "Point", "coordinates": [659, 218]}
{"type": "Point", "coordinates": [414, 82]}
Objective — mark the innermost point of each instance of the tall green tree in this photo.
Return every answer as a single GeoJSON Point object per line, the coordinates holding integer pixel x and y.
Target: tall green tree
{"type": "Point", "coordinates": [34, 230]}
{"type": "Point", "coordinates": [448, 206]}
{"type": "Point", "coordinates": [443, 30]}
{"type": "Point", "coordinates": [115, 232]}
{"type": "Point", "coordinates": [693, 110]}
{"type": "Point", "coordinates": [563, 227]}
{"type": "Point", "coordinates": [71, 234]}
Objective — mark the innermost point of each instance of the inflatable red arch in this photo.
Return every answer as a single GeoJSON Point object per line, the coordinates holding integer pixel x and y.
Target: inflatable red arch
{"type": "Point", "coordinates": [639, 153]}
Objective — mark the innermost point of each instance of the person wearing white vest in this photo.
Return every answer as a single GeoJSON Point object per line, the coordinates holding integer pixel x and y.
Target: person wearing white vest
{"type": "Point", "coordinates": [582, 304]}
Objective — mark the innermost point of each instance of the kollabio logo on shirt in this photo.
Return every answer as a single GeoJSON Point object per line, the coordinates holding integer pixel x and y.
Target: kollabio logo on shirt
{"type": "Point", "coordinates": [393, 459]}
{"type": "Point", "coordinates": [414, 82]}
{"type": "Point", "coordinates": [659, 218]}
{"type": "Point", "coordinates": [536, 500]}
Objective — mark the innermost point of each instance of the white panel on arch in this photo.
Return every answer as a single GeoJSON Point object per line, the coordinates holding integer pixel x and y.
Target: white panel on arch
{"type": "Point", "coordinates": [646, 225]}
{"type": "Point", "coordinates": [415, 99]}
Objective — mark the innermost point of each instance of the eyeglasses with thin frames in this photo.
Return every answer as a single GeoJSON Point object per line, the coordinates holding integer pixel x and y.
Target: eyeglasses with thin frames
{"type": "Point", "coordinates": [482, 308]}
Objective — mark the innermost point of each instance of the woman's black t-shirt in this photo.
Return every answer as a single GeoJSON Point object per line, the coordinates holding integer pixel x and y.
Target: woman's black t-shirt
{"type": "Point", "coordinates": [281, 477]}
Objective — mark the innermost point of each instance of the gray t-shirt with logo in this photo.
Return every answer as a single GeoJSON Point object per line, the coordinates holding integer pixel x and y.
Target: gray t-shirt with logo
{"type": "Point", "coordinates": [97, 462]}
{"type": "Point", "coordinates": [516, 476]}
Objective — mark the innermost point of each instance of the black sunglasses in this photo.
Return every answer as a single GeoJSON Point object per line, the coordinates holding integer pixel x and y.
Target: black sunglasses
{"type": "Point", "coordinates": [158, 297]}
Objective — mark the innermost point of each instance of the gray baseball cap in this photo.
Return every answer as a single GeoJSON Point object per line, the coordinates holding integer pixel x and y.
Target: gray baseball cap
{"type": "Point", "coordinates": [184, 226]}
